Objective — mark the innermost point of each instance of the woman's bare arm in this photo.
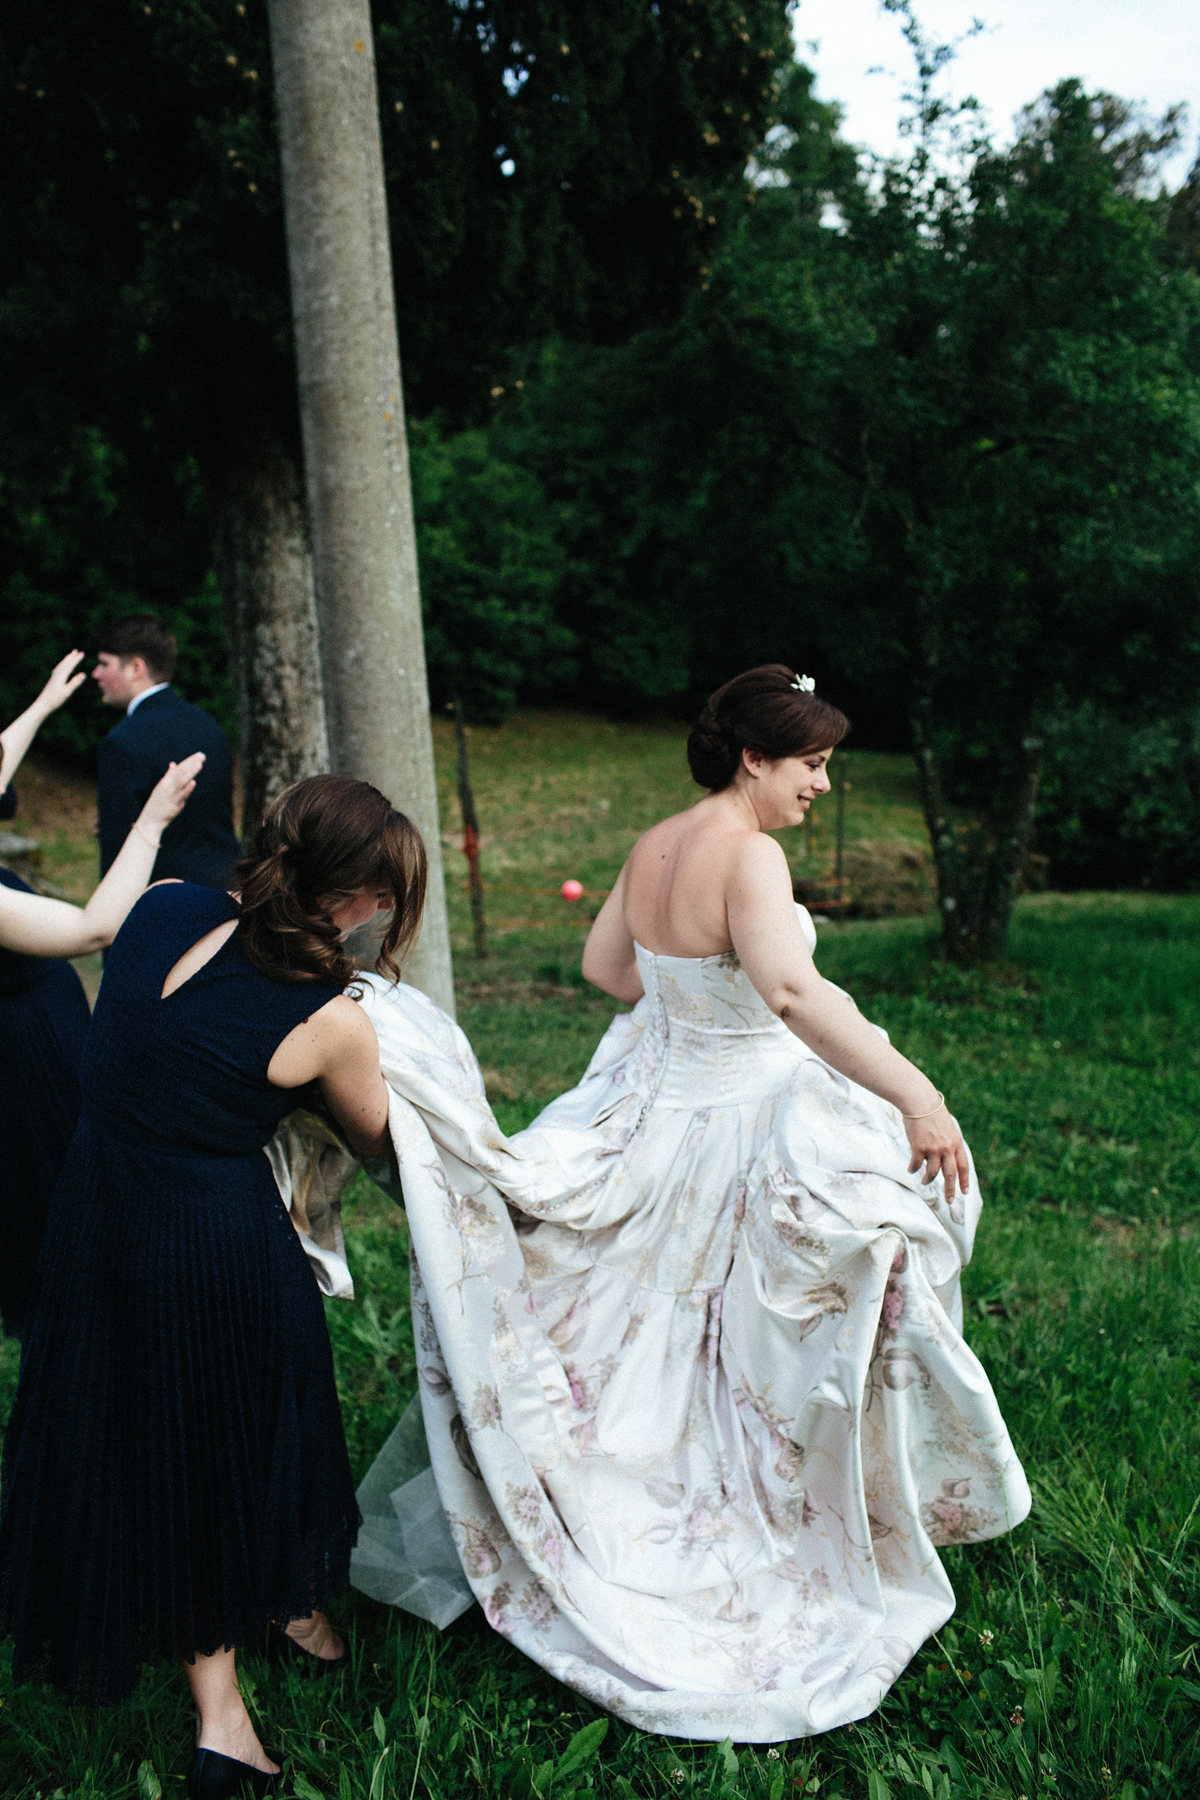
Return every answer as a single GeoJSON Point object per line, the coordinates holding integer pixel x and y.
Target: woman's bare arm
{"type": "Point", "coordinates": [38, 926]}
{"type": "Point", "coordinates": [609, 956]}
{"type": "Point", "coordinates": [16, 738]}
{"type": "Point", "coordinates": [770, 946]}
{"type": "Point", "coordinates": [337, 1046]}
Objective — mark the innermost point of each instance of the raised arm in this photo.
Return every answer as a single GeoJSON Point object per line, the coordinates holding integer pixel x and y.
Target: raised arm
{"type": "Point", "coordinates": [16, 738]}
{"type": "Point", "coordinates": [770, 945]}
{"type": "Point", "coordinates": [37, 926]}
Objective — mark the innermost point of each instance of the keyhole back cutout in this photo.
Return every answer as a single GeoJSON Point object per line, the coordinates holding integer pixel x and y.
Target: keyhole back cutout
{"type": "Point", "coordinates": [194, 959]}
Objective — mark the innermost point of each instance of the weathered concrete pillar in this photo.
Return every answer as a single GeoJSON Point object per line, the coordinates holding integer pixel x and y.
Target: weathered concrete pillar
{"type": "Point", "coordinates": [352, 415]}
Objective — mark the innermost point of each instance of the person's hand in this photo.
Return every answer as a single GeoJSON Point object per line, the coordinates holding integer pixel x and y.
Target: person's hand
{"type": "Point", "coordinates": [62, 683]}
{"type": "Point", "coordinates": [168, 799]}
{"type": "Point", "coordinates": [937, 1143]}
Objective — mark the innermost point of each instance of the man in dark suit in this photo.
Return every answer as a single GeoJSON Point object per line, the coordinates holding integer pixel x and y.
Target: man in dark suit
{"type": "Point", "coordinates": [134, 669]}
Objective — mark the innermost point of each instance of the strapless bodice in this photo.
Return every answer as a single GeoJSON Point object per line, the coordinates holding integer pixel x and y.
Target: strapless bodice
{"type": "Point", "coordinates": [713, 1040]}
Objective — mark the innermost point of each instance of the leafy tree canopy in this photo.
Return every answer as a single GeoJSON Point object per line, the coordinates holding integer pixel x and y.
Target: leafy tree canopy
{"type": "Point", "coordinates": [550, 167]}
{"type": "Point", "coordinates": [945, 452]}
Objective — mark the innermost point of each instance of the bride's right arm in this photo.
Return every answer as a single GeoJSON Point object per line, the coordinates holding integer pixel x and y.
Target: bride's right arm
{"type": "Point", "coordinates": [609, 956]}
{"type": "Point", "coordinates": [771, 949]}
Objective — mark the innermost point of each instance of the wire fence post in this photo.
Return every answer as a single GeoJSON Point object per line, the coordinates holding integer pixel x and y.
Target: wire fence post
{"type": "Point", "coordinates": [466, 801]}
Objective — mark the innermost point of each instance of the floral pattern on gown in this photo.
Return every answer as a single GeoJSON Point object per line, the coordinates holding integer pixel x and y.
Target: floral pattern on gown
{"type": "Point", "coordinates": [695, 1389]}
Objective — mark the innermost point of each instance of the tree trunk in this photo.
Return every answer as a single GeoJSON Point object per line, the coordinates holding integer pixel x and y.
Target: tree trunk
{"type": "Point", "coordinates": [352, 417]}
{"type": "Point", "coordinates": [1009, 851]}
{"type": "Point", "coordinates": [264, 570]}
{"type": "Point", "coordinates": [977, 886]}
{"type": "Point", "coordinates": [943, 837]}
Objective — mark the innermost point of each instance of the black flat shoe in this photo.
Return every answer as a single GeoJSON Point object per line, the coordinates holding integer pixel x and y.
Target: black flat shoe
{"type": "Point", "coordinates": [216, 1777]}
{"type": "Point", "coordinates": [288, 1650]}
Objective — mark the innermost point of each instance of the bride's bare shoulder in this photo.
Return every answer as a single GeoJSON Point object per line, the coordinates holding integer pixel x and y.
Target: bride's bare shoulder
{"type": "Point", "coordinates": [660, 836]}
{"type": "Point", "coordinates": [704, 819]}
{"type": "Point", "coordinates": [705, 833]}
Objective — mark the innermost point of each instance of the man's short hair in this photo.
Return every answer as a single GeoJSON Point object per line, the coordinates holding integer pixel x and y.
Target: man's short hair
{"type": "Point", "coordinates": [141, 634]}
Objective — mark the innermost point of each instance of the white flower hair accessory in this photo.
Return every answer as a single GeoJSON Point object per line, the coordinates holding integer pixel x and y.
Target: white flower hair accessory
{"type": "Point", "coordinates": [804, 684]}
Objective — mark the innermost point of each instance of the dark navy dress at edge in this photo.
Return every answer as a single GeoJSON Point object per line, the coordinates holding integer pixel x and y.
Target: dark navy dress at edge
{"type": "Point", "coordinates": [175, 1471]}
{"type": "Point", "coordinates": [43, 1022]}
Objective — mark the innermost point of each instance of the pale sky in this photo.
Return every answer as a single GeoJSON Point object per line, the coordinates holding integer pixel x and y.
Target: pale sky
{"type": "Point", "coordinates": [1143, 50]}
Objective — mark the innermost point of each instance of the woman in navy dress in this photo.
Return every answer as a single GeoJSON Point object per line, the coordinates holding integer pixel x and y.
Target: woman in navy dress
{"type": "Point", "coordinates": [175, 1481]}
{"type": "Point", "coordinates": [43, 1009]}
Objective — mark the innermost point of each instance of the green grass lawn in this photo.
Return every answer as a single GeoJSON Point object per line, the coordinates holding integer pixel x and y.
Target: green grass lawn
{"type": "Point", "coordinates": [1072, 1666]}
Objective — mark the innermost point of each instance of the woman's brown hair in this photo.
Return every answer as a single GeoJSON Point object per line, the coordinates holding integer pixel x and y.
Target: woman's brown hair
{"type": "Point", "coordinates": [765, 710]}
{"type": "Point", "coordinates": [324, 840]}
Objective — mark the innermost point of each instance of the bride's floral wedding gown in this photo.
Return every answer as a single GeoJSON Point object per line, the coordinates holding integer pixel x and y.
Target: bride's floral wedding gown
{"type": "Point", "coordinates": [694, 1385]}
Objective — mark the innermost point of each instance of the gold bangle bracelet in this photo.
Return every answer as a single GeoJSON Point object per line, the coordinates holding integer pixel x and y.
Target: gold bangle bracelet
{"type": "Point", "coordinates": [932, 1110]}
{"type": "Point", "coordinates": [154, 843]}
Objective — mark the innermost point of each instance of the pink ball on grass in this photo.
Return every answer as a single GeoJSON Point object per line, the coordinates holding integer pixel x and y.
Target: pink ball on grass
{"type": "Point", "coordinates": [572, 890]}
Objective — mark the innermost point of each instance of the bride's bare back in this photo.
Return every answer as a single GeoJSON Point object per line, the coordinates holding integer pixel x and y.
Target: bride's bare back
{"type": "Point", "coordinates": [676, 878]}
{"type": "Point", "coordinates": [711, 880]}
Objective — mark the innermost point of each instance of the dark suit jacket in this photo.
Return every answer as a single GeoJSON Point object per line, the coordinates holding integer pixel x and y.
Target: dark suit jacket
{"type": "Point", "coordinates": [199, 845]}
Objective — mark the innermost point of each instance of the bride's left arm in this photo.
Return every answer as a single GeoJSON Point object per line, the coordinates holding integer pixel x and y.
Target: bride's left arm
{"type": "Point", "coordinates": [771, 949]}
{"type": "Point", "coordinates": [609, 956]}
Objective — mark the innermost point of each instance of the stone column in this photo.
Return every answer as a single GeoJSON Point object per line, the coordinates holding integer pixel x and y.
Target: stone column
{"type": "Point", "coordinates": [352, 416]}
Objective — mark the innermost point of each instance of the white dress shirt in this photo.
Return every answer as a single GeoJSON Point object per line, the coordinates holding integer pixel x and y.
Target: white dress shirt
{"type": "Point", "coordinates": [145, 695]}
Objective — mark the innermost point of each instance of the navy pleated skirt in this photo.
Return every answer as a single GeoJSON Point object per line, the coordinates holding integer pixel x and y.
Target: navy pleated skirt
{"type": "Point", "coordinates": [42, 1029]}
{"type": "Point", "coordinates": [176, 1475]}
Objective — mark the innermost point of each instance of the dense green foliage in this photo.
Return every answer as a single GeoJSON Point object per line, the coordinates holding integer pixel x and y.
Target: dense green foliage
{"type": "Point", "coordinates": [491, 566]}
{"type": "Point", "coordinates": [930, 431]}
{"type": "Point", "coordinates": [1120, 806]}
{"type": "Point", "coordinates": [550, 167]}
{"type": "Point", "coordinates": [947, 455]}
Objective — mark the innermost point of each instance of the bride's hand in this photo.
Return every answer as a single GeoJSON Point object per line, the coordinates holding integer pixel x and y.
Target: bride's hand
{"type": "Point", "coordinates": [937, 1143]}
{"type": "Point", "coordinates": [167, 800]}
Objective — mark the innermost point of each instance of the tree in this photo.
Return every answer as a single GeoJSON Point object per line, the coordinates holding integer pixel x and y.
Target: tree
{"type": "Point", "coordinates": [143, 293]}
{"type": "Point", "coordinates": [945, 453]}
{"type": "Point", "coordinates": [355, 444]}
{"type": "Point", "coordinates": [1023, 404]}
{"type": "Point", "coordinates": [693, 518]}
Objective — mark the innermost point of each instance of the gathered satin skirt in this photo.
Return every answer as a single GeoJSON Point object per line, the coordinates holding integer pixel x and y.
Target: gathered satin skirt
{"type": "Point", "coordinates": [697, 1401]}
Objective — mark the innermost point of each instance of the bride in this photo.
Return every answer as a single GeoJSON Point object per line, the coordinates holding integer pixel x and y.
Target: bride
{"type": "Point", "coordinates": [696, 1396]}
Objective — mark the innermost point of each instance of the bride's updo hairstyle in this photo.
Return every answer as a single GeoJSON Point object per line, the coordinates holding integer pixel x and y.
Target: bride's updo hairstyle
{"type": "Point", "coordinates": [762, 710]}
{"type": "Point", "coordinates": [321, 842]}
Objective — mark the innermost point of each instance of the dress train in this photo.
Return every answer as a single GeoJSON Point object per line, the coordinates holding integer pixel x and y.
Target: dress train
{"type": "Point", "coordinates": [697, 1403]}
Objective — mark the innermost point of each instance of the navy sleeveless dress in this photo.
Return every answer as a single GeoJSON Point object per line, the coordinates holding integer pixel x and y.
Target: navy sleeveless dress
{"type": "Point", "coordinates": [43, 1022]}
{"type": "Point", "coordinates": [175, 1471]}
